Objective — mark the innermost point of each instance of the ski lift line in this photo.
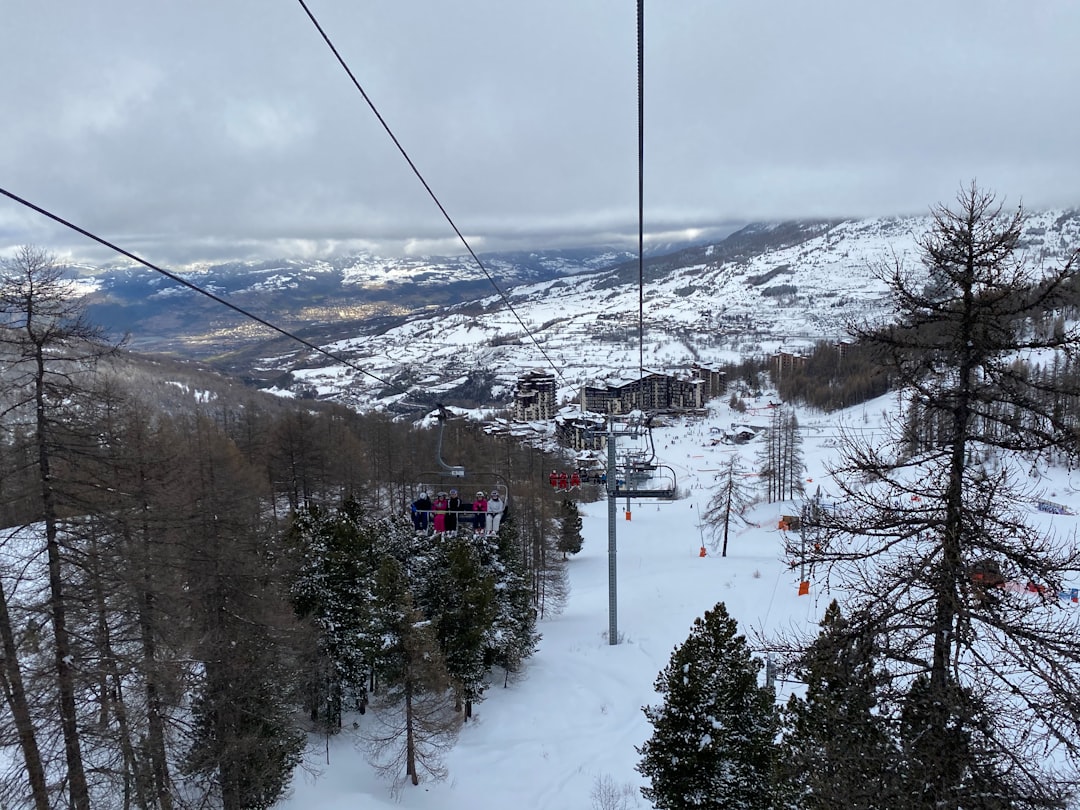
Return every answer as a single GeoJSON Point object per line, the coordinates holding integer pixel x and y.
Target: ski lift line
{"type": "Point", "coordinates": [185, 283]}
{"type": "Point", "coordinates": [427, 187]}
{"type": "Point", "coordinates": [641, 184]}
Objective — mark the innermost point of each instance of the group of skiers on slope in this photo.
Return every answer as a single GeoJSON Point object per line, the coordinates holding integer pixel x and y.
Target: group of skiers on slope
{"type": "Point", "coordinates": [447, 513]}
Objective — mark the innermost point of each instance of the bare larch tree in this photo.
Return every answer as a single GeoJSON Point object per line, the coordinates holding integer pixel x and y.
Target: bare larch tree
{"type": "Point", "coordinates": [935, 540]}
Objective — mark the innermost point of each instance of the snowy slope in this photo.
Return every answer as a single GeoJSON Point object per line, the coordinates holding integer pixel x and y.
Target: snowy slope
{"type": "Point", "coordinates": [574, 716]}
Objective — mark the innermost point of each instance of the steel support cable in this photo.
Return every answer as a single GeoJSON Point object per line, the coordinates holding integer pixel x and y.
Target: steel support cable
{"type": "Point", "coordinates": [185, 283]}
{"type": "Point", "coordinates": [641, 185]}
{"type": "Point", "coordinates": [424, 183]}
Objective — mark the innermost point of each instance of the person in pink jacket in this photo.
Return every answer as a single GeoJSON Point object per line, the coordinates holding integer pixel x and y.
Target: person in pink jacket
{"type": "Point", "coordinates": [479, 508]}
{"type": "Point", "coordinates": [439, 507]}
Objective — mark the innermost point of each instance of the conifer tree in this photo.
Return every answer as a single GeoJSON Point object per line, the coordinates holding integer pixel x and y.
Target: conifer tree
{"type": "Point", "coordinates": [53, 347]}
{"type": "Point", "coordinates": [570, 539]}
{"type": "Point", "coordinates": [243, 746]}
{"type": "Point", "coordinates": [461, 602]}
{"type": "Point", "coordinates": [414, 724]}
{"type": "Point", "coordinates": [12, 684]}
{"type": "Point", "coordinates": [243, 740]}
{"type": "Point", "coordinates": [512, 636]}
{"type": "Point", "coordinates": [837, 750]}
{"type": "Point", "coordinates": [339, 552]}
{"type": "Point", "coordinates": [780, 459]}
{"type": "Point", "coordinates": [946, 762]}
{"type": "Point", "coordinates": [713, 741]}
{"type": "Point", "coordinates": [771, 458]}
{"type": "Point", "coordinates": [793, 466]}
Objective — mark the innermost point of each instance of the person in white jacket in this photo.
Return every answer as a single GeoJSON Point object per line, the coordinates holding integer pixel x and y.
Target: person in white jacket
{"type": "Point", "coordinates": [495, 508]}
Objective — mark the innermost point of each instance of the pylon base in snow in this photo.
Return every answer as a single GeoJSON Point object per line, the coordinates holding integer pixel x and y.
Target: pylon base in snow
{"type": "Point", "coordinates": [702, 552]}
{"type": "Point", "coordinates": [804, 588]}
{"type": "Point", "coordinates": [627, 514]}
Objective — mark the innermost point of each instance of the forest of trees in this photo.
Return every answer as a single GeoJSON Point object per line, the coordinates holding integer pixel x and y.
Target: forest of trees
{"type": "Point", "coordinates": [832, 376]}
{"type": "Point", "coordinates": [186, 564]}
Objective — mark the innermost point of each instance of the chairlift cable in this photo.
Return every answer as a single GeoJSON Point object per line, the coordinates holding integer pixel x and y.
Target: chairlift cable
{"type": "Point", "coordinates": [185, 283]}
{"type": "Point", "coordinates": [641, 185]}
{"type": "Point", "coordinates": [427, 187]}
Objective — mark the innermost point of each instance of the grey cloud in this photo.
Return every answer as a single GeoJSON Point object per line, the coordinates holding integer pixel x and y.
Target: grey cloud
{"type": "Point", "coordinates": [203, 130]}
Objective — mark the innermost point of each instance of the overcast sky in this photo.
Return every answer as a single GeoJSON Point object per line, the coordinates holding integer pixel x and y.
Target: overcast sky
{"type": "Point", "coordinates": [211, 129]}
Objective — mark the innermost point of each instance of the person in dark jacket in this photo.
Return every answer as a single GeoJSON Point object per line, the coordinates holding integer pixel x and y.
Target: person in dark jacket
{"type": "Point", "coordinates": [453, 506]}
{"type": "Point", "coordinates": [421, 512]}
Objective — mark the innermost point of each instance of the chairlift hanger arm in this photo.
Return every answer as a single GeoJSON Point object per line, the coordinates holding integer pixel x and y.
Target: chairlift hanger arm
{"type": "Point", "coordinates": [442, 416]}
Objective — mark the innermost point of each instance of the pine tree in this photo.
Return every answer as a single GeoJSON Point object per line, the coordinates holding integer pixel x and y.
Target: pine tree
{"type": "Point", "coordinates": [570, 539]}
{"type": "Point", "coordinates": [339, 552]}
{"type": "Point", "coordinates": [243, 739]}
{"type": "Point", "coordinates": [414, 723]}
{"type": "Point", "coordinates": [461, 603]}
{"type": "Point", "coordinates": [713, 741]}
{"type": "Point", "coordinates": [945, 760]}
{"type": "Point", "coordinates": [512, 636]}
{"type": "Point", "coordinates": [837, 750]}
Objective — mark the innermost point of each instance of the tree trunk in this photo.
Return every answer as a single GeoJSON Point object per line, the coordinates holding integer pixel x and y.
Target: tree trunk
{"type": "Point", "coordinates": [410, 735]}
{"type": "Point", "coordinates": [15, 694]}
{"type": "Point", "coordinates": [727, 511]}
{"type": "Point", "coordinates": [155, 726]}
{"type": "Point", "coordinates": [65, 671]}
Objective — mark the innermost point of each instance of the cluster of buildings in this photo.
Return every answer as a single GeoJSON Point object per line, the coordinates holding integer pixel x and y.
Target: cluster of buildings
{"type": "Point", "coordinates": [582, 427]}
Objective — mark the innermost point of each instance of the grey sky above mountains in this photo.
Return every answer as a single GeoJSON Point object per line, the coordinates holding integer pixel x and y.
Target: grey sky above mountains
{"type": "Point", "coordinates": [213, 129]}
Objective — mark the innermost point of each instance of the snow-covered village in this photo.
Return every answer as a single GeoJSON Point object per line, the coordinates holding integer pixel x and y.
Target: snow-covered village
{"type": "Point", "coordinates": [454, 407]}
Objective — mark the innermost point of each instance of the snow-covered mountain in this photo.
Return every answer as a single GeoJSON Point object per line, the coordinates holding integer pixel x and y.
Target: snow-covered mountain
{"type": "Point", "coordinates": [328, 294]}
{"type": "Point", "coordinates": [764, 287]}
{"type": "Point", "coordinates": [421, 326]}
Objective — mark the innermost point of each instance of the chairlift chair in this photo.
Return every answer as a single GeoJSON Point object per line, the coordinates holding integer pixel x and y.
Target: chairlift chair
{"type": "Point", "coordinates": [468, 484]}
{"type": "Point", "coordinates": [638, 473]}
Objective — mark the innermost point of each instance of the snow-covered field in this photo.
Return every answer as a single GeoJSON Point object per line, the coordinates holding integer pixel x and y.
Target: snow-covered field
{"type": "Point", "coordinates": [572, 719]}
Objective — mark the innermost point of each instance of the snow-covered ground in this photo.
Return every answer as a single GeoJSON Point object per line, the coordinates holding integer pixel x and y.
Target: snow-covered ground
{"type": "Point", "coordinates": [572, 719]}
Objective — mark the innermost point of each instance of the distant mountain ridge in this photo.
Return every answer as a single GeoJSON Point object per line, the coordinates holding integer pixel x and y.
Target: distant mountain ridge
{"type": "Point", "coordinates": [295, 293]}
{"type": "Point", "coordinates": [431, 324]}
{"type": "Point", "coordinates": [764, 287]}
